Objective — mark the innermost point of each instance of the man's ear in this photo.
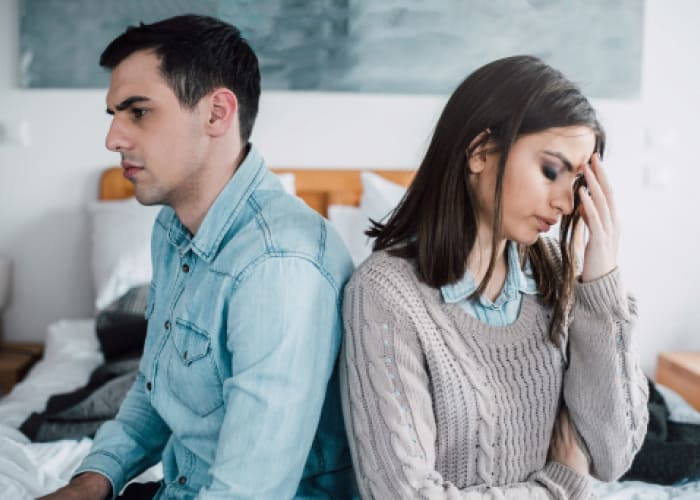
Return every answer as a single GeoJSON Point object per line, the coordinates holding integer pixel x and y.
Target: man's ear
{"type": "Point", "coordinates": [478, 151]}
{"type": "Point", "coordinates": [222, 111]}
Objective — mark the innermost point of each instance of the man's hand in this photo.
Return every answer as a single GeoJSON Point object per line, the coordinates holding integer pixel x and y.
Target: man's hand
{"type": "Point", "coordinates": [564, 447]}
{"type": "Point", "coordinates": [88, 485]}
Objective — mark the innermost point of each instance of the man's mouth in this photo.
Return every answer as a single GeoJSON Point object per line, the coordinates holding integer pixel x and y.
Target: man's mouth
{"type": "Point", "coordinates": [130, 169]}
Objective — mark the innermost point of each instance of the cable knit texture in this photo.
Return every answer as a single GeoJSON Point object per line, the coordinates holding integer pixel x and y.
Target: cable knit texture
{"type": "Point", "coordinates": [440, 405]}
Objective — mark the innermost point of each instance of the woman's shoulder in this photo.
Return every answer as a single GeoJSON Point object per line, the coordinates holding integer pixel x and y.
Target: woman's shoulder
{"type": "Point", "coordinates": [388, 290]}
{"type": "Point", "coordinates": [384, 272]}
{"type": "Point", "coordinates": [384, 266]}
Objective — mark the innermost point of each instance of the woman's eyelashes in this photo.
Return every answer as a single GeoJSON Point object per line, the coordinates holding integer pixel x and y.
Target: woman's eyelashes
{"type": "Point", "coordinates": [550, 172]}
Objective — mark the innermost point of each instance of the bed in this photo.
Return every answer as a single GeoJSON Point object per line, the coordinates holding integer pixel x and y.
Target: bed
{"type": "Point", "coordinates": [348, 198]}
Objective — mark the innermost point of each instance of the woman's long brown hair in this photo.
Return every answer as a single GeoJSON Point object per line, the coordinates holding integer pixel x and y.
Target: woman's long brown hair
{"type": "Point", "coordinates": [435, 223]}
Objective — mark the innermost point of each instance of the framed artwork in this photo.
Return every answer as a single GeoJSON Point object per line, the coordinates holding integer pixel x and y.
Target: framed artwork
{"type": "Point", "coordinates": [388, 46]}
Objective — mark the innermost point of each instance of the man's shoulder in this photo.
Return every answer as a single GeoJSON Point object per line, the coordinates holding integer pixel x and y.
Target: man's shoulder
{"type": "Point", "coordinates": [282, 226]}
{"type": "Point", "coordinates": [290, 224]}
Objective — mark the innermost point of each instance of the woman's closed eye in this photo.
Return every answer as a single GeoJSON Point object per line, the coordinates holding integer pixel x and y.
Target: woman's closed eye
{"type": "Point", "coordinates": [550, 172]}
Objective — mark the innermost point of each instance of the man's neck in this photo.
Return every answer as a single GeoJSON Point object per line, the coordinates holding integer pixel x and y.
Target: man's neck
{"type": "Point", "coordinates": [195, 205]}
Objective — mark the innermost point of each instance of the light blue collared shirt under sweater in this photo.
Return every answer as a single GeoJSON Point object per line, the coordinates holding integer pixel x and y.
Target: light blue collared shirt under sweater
{"type": "Point", "coordinates": [504, 310]}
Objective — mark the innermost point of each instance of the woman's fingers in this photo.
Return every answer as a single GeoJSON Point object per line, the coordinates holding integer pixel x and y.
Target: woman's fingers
{"type": "Point", "coordinates": [605, 185]}
{"type": "Point", "coordinates": [598, 195]}
{"type": "Point", "coordinates": [590, 212]}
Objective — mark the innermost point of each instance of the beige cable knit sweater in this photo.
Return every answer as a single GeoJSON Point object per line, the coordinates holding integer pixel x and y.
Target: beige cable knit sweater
{"type": "Point", "coordinates": [440, 405]}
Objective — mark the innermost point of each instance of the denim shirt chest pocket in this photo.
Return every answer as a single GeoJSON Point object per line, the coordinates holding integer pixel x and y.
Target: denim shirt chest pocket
{"type": "Point", "coordinates": [193, 376]}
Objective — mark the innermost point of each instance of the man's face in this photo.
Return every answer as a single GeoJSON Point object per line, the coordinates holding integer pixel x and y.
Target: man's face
{"type": "Point", "coordinates": [162, 145]}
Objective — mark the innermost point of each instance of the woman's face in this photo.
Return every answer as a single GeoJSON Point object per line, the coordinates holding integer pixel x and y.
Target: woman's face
{"type": "Point", "coordinates": [538, 182]}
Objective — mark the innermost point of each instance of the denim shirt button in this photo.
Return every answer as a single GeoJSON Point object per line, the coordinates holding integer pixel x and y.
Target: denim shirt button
{"type": "Point", "coordinates": [185, 268]}
{"type": "Point", "coordinates": [167, 325]}
{"type": "Point", "coordinates": [149, 386]}
{"type": "Point", "coordinates": [182, 480]}
{"type": "Point", "coordinates": [184, 355]}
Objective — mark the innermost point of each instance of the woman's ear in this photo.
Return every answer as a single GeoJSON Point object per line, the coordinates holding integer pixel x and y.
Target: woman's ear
{"type": "Point", "coordinates": [478, 150]}
{"type": "Point", "coordinates": [222, 111]}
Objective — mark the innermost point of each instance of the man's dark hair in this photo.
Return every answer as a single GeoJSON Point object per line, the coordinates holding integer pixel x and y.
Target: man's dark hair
{"type": "Point", "coordinates": [197, 54]}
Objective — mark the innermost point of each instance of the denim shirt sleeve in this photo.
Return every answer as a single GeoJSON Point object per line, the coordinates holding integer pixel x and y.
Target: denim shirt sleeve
{"type": "Point", "coordinates": [130, 443]}
{"type": "Point", "coordinates": [284, 334]}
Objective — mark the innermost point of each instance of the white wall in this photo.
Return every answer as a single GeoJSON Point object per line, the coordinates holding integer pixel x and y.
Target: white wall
{"type": "Point", "coordinates": [47, 183]}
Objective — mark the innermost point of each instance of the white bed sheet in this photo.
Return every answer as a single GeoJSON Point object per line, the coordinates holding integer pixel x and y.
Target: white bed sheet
{"type": "Point", "coordinates": [71, 353]}
{"type": "Point", "coordinates": [28, 470]}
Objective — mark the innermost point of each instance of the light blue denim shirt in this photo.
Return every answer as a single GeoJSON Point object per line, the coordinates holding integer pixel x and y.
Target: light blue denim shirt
{"type": "Point", "coordinates": [237, 390]}
{"type": "Point", "coordinates": [505, 309]}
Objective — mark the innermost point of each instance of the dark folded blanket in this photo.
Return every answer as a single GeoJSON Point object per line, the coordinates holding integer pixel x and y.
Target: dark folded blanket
{"type": "Point", "coordinates": [671, 450]}
{"type": "Point", "coordinates": [80, 413]}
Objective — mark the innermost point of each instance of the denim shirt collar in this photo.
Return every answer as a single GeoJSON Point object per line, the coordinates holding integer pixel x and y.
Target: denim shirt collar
{"type": "Point", "coordinates": [222, 214]}
{"type": "Point", "coordinates": [517, 281]}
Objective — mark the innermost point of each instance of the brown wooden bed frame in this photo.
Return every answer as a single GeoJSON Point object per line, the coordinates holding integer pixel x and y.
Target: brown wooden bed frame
{"type": "Point", "coordinates": [318, 188]}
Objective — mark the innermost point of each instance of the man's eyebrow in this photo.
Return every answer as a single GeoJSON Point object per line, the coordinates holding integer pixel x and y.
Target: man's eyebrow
{"type": "Point", "coordinates": [563, 158]}
{"type": "Point", "coordinates": [128, 102]}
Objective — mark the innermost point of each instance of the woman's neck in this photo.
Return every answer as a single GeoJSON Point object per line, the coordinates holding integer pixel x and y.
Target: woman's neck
{"type": "Point", "coordinates": [479, 258]}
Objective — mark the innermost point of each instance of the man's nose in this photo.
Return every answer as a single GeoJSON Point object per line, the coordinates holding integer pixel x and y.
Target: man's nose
{"type": "Point", "coordinates": [117, 139]}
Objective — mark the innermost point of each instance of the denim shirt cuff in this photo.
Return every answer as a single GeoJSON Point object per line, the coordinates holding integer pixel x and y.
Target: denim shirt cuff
{"type": "Point", "coordinates": [106, 464]}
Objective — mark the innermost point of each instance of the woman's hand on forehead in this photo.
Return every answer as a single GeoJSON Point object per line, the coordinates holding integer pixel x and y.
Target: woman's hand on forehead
{"type": "Point", "coordinates": [598, 212]}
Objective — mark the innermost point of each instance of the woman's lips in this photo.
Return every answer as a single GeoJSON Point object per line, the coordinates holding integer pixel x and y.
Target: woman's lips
{"type": "Point", "coordinates": [545, 224]}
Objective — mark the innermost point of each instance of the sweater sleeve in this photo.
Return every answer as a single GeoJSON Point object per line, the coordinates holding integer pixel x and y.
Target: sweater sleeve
{"type": "Point", "coordinates": [604, 386]}
{"type": "Point", "coordinates": [387, 405]}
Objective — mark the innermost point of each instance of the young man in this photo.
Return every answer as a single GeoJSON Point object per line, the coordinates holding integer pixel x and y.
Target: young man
{"type": "Point", "coordinates": [237, 392]}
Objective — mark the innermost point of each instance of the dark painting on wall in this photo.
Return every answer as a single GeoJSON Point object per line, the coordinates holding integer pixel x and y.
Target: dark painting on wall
{"type": "Point", "coordinates": [395, 46]}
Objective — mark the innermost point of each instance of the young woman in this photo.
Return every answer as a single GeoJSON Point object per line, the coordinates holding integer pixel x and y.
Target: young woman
{"type": "Point", "coordinates": [477, 361]}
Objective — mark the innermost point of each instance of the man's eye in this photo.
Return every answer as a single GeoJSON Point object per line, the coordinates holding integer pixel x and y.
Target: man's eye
{"type": "Point", "coordinates": [138, 112]}
{"type": "Point", "coordinates": [549, 172]}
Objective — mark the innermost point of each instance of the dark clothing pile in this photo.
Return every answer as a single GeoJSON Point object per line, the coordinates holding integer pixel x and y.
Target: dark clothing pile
{"type": "Point", "coordinates": [80, 413]}
{"type": "Point", "coordinates": [671, 450]}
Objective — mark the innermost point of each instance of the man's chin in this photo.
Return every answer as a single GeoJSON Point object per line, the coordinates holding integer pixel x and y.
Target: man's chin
{"type": "Point", "coordinates": [147, 199]}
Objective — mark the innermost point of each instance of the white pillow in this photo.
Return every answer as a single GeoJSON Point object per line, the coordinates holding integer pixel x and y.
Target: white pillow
{"type": "Point", "coordinates": [121, 256]}
{"type": "Point", "coordinates": [288, 183]}
{"type": "Point", "coordinates": [351, 225]}
{"type": "Point", "coordinates": [379, 198]}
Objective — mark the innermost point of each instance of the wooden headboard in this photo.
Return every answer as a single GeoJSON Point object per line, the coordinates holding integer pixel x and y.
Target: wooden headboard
{"type": "Point", "coordinates": [318, 188]}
